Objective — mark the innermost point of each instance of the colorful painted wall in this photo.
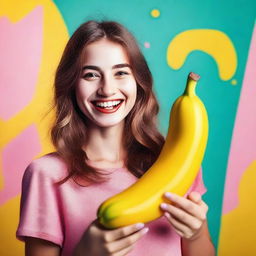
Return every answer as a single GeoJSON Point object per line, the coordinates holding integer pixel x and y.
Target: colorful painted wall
{"type": "Point", "coordinates": [216, 39]}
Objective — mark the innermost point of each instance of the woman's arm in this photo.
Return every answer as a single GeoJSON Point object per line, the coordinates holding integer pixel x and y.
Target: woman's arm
{"type": "Point", "coordinates": [40, 247]}
{"type": "Point", "coordinates": [199, 246]}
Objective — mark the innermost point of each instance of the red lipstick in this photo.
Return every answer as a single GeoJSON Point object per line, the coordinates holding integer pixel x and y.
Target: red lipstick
{"type": "Point", "coordinates": [107, 110]}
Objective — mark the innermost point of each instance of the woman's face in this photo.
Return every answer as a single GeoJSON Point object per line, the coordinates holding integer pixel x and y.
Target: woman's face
{"type": "Point", "coordinates": [106, 92]}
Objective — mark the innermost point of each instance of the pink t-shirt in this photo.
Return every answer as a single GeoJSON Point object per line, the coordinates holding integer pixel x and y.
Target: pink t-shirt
{"type": "Point", "coordinates": [61, 213]}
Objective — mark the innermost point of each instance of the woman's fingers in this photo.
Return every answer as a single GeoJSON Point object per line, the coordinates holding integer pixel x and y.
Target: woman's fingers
{"type": "Point", "coordinates": [187, 215]}
{"type": "Point", "coordinates": [182, 216]}
{"type": "Point", "coordinates": [115, 242]}
{"type": "Point", "coordinates": [125, 242]}
{"type": "Point", "coordinates": [196, 198]}
{"type": "Point", "coordinates": [180, 228]}
{"type": "Point", "coordinates": [123, 252]}
{"type": "Point", "coordinates": [112, 235]}
{"type": "Point", "coordinates": [195, 208]}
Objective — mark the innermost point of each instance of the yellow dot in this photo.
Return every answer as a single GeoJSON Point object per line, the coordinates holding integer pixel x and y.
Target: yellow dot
{"type": "Point", "coordinates": [234, 82]}
{"type": "Point", "coordinates": [155, 13]}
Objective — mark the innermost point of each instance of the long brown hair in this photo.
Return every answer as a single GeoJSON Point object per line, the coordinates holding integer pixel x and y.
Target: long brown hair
{"type": "Point", "coordinates": [142, 139]}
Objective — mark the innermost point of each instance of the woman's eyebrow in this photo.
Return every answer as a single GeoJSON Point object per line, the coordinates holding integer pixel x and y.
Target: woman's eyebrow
{"type": "Point", "coordinates": [122, 65]}
{"type": "Point", "coordinates": [92, 67]}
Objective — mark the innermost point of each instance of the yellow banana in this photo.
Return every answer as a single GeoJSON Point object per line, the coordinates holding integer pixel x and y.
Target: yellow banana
{"type": "Point", "coordinates": [174, 170]}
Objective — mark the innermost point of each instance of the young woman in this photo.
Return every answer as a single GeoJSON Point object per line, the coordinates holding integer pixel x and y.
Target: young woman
{"type": "Point", "coordinates": [106, 137]}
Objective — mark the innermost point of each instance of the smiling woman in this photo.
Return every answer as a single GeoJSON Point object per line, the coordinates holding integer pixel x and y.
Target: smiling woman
{"type": "Point", "coordinates": [106, 137]}
{"type": "Point", "coordinates": [106, 119]}
{"type": "Point", "coordinates": [107, 84]}
{"type": "Point", "coordinates": [108, 66]}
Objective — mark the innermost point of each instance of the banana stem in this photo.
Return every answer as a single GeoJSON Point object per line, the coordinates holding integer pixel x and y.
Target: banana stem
{"type": "Point", "coordinates": [191, 84]}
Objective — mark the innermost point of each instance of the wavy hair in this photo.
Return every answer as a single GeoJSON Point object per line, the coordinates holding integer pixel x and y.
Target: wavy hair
{"type": "Point", "coordinates": [142, 139]}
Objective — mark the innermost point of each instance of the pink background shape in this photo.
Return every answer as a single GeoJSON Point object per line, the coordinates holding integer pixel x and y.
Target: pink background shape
{"type": "Point", "coordinates": [243, 147]}
{"type": "Point", "coordinates": [20, 51]}
{"type": "Point", "coordinates": [16, 156]}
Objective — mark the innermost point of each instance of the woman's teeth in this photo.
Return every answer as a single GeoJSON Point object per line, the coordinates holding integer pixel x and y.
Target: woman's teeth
{"type": "Point", "coordinates": [109, 104]}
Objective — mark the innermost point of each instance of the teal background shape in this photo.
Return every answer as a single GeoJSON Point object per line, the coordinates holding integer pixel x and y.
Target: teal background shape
{"type": "Point", "coordinates": [234, 18]}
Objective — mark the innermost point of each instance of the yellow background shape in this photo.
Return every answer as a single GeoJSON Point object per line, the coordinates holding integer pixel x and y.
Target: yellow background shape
{"type": "Point", "coordinates": [213, 42]}
{"type": "Point", "coordinates": [55, 36]}
{"type": "Point", "coordinates": [238, 227]}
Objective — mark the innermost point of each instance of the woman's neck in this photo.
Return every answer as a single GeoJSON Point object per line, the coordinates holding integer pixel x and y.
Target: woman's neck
{"type": "Point", "coordinates": [104, 146]}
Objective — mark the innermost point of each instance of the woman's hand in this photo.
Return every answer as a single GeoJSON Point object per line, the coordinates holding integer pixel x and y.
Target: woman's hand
{"type": "Point", "coordinates": [187, 215]}
{"type": "Point", "coordinates": [98, 241]}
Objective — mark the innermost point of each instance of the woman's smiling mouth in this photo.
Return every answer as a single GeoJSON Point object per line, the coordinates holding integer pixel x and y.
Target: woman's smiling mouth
{"type": "Point", "coordinates": [107, 107]}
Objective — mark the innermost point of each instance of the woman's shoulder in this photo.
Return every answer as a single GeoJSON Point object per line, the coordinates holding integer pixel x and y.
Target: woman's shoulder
{"type": "Point", "coordinates": [50, 165]}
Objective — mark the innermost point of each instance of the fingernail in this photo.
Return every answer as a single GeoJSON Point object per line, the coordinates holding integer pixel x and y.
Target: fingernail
{"type": "Point", "coordinates": [140, 225]}
{"type": "Point", "coordinates": [145, 230]}
{"type": "Point", "coordinates": [163, 206]}
{"type": "Point", "coordinates": [167, 215]}
{"type": "Point", "coordinates": [168, 195]}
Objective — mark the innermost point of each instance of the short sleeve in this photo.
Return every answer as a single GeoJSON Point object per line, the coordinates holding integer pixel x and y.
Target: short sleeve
{"type": "Point", "coordinates": [198, 184]}
{"type": "Point", "coordinates": [39, 208]}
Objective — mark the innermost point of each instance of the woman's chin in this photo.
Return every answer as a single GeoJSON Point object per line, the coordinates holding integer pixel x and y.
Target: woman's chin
{"type": "Point", "coordinates": [109, 124]}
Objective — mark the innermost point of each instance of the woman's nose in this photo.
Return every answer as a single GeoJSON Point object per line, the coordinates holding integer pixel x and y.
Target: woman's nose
{"type": "Point", "coordinates": [108, 87]}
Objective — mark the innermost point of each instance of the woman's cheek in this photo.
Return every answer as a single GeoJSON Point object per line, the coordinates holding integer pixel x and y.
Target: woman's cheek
{"type": "Point", "coordinates": [129, 86]}
{"type": "Point", "coordinates": [86, 89]}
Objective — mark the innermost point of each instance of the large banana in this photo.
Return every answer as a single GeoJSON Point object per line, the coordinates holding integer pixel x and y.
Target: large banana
{"type": "Point", "coordinates": [174, 170]}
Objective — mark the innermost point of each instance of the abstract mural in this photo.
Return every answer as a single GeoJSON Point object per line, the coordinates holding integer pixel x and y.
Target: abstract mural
{"type": "Point", "coordinates": [216, 40]}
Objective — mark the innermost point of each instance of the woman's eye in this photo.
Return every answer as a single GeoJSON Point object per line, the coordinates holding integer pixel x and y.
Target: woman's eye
{"type": "Point", "coordinates": [90, 76]}
{"type": "Point", "coordinates": [122, 73]}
